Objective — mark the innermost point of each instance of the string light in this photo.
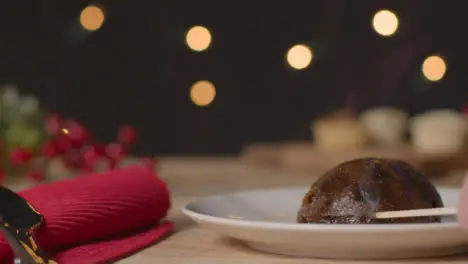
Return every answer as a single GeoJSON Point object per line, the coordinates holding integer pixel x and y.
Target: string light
{"type": "Point", "coordinates": [92, 18]}
{"type": "Point", "coordinates": [434, 68]}
{"type": "Point", "coordinates": [198, 38]}
{"type": "Point", "coordinates": [203, 93]}
{"type": "Point", "coordinates": [385, 23]}
{"type": "Point", "coordinates": [299, 56]}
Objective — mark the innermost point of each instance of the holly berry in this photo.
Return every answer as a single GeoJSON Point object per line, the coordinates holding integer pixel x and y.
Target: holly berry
{"type": "Point", "coordinates": [77, 133]}
{"type": "Point", "coordinates": [53, 124]}
{"type": "Point", "coordinates": [89, 156]}
{"type": "Point", "coordinates": [20, 156]}
{"type": "Point", "coordinates": [115, 151]}
{"type": "Point", "coordinates": [36, 176]}
{"type": "Point", "coordinates": [49, 149]}
{"type": "Point", "coordinates": [89, 152]}
{"type": "Point", "coordinates": [127, 135]}
{"type": "Point", "coordinates": [62, 143]}
{"type": "Point", "coordinates": [72, 159]}
{"type": "Point", "coordinates": [100, 149]}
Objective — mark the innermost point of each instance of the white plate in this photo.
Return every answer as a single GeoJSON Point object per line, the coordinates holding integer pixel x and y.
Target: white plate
{"type": "Point", "coordinates": [265, 220]}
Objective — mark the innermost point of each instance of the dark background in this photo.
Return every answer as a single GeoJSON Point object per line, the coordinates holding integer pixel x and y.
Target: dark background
{"type": "Point", "coordinates": [137, 69]}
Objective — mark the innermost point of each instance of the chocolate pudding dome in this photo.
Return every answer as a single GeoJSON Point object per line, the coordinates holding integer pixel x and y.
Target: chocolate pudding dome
{"type": "Point", "coordinates": [353, 191]}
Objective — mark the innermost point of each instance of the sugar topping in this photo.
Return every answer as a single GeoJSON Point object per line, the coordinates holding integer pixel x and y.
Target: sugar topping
{"type": "Point", "coordinates": [346, 205]}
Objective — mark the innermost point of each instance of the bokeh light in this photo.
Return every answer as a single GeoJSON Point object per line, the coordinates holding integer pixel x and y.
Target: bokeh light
{"type": "Point", "coordinates": [385, 23]}
{"type": "Point", "coordinates": [92, 18]}
{"type": "Point", "coordinates": [434, 68]}
{"type": "Point", "coordinates": [203, 93]}
{"type": "Point", "coordinates": [198, 38]}
{"type": "Point", "coordinates": [299, 56]}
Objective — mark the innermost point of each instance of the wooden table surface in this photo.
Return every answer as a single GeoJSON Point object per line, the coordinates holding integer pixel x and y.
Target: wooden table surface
{"type": "Point", "coordinates": [191, 178]}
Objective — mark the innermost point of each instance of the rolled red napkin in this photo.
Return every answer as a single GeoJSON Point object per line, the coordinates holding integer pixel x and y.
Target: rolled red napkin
{"type": "Point", "coordinates": [98, 218]}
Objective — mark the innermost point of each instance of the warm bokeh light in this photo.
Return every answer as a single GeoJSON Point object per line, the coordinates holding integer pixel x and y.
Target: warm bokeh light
{"type": "Point", "coordinates": [385, 23]}
{"type": "Point", "coordinates": [299, 56]}
{"type": "Point", "coordinates": [202, 93]}
{"type": "Point", "coordinates": [198, 38]}
{"type": "Point", "coordinates": [92, 18]}
{"type": "Point", "coordinates": [434, 68]}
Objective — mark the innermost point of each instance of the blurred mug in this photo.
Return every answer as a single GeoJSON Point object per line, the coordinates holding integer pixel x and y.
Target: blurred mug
{"type": "Point", "coordinates": [439, 132]}
{"type": "Point", "coordinates": [385, 126]}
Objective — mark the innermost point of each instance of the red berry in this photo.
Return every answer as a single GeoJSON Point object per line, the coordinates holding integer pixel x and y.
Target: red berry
{"type": "Point", "coordinates": [100, 149]}
{"type": "Point", "coordinates": [19, 156]}
{"type": "Point", "coordinates": [90, 157]}
{"type": "Point", "coordinates": [88, 166]}
{"type": "Point", "coordinates": [62, 143]}
{"type": "Point", "coordinates": [36, 176]}
{"type": "Point", "coordinates": [89, 152]}
{"type": "Point", "coordinates": [72, 159]}
{"type": "Point", "coordinates": [49, 149]}
{"type": "Point", "coordinates": [127, 135]}
{"type": "Point", "coordinates": [76, 132]}
{"type": "Point", "coordinates": [115, 151]}
{"type": "Point", "coordinates": [53, 124]}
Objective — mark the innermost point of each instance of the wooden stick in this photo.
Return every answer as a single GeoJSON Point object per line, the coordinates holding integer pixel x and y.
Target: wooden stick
{"type": "Point", "coordinates": [416, 213]}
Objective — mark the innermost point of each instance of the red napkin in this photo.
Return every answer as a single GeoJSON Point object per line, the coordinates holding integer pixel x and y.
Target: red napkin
{"type": "Point", "coordinates": [98, 218]}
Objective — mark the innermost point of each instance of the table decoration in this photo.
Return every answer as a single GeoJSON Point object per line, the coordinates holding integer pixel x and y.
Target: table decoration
{"type": "Point", "coordinates": [34, 142]}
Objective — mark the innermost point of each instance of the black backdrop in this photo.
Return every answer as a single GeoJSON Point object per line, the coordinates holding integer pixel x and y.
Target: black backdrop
{"type": "Point", "coordinates": [136, 69]}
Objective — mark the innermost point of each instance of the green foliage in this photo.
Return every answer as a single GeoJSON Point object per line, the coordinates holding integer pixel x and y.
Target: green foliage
{"type": "Point", "coordinates": [21, 122]}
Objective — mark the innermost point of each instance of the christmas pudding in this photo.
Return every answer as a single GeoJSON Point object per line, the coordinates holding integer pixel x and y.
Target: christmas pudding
{"type": "Point", "coordinates": [353, 191]}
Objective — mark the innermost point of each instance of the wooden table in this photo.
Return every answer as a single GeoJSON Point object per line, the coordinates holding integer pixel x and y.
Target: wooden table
{"type": "Point", "coordinates": [305, 156]}
{"type": "Point", "coordinates": [190, 178]}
